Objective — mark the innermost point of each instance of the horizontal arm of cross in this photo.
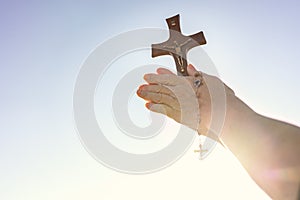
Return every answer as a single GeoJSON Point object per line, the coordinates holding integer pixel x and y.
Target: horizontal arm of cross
{"type": "Point", "coordinates": [159, 50]}
{"type": "Point", "coordinates": [197, 39]}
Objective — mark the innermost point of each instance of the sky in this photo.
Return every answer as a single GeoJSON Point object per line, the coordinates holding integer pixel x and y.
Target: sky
{"type": "Point", "coordinates": [43, 44]}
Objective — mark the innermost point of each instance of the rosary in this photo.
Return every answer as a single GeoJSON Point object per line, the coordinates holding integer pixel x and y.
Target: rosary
{"type": "Point", "coordinates": [177, 46]}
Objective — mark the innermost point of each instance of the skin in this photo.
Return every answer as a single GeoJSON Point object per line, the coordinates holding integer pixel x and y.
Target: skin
{"type": "Point", "coordinates": [267, 148]}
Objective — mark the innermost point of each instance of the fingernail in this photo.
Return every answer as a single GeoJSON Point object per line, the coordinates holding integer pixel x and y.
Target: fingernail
{"type": "Point", "coordinates": [146, 76]}
{"type": "Point", "coordinates": [141, 92]}
{"type": "Point", "coordinates": [158, 70]}
{"type": "Point", "coordinates": [148, 105]}
{"type": "Point", "coordinates": [138, 91]}
{"type": "Point", "coordinates": [141, 87]}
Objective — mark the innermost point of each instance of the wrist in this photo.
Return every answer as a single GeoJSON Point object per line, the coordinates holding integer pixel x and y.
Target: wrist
{"type": "Point", "coordinates": [238, 118]}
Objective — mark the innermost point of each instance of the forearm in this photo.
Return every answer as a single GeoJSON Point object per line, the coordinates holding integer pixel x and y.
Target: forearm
{"type": "Point", "coordinates": [268, 149]}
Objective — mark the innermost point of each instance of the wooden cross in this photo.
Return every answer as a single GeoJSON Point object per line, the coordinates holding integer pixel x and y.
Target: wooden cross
{"type": "Point", "coordinates": [178, 45]}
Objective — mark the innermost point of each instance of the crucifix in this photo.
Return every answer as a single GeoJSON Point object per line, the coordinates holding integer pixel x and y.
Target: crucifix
{"type": "Point", "coordinates": [178, 45]}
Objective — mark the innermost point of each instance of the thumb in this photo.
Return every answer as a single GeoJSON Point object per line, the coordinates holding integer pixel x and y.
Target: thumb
{"type": "Point", "coordinates": [191, 70]}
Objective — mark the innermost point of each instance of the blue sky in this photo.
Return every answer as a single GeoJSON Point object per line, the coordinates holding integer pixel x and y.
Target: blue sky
{"type": "Point", "coordinates": [253, 44]}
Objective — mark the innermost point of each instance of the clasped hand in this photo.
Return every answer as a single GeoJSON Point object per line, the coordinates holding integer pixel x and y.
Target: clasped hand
{"type": "Point", "coordinates": [178, 98]}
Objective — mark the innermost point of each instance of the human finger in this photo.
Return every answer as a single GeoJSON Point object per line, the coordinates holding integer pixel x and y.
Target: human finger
{"type": "Point", "coordinates": [164, 71]}
{"type": "Point", "coordinates": [164, 79]}
{"type": "Point", "coordinates": [156, 88]}
{"type": "Point", "coordinates": [159, 98]}
{"type": "Point", "coordinates": [163, 109]}
{"type": "Point", "coordinates": [191, 70]}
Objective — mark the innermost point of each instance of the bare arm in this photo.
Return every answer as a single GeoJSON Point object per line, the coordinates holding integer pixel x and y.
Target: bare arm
{"type": "Point", "coordinates": [268, 149]}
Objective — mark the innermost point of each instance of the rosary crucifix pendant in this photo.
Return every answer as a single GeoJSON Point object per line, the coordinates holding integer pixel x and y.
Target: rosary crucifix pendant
{"type": "Point", "coordinates": [201, 151]}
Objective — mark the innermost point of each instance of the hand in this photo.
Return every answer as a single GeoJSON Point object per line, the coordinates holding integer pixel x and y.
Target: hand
{"type": "Point", "coordinates": [178, 98]}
